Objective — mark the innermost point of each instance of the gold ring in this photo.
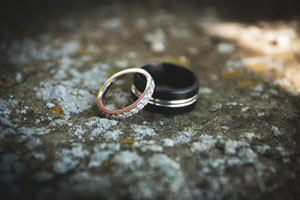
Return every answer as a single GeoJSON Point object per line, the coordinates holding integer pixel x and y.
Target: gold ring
{"type": "Point", "coordinates": [134, 108]}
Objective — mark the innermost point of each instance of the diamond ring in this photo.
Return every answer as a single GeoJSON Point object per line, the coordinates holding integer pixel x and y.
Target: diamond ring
{"type": "Point", "coordinates": [135, 107]}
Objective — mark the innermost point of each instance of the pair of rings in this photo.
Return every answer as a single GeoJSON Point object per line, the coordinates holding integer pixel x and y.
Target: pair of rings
{"type": "Point", "coordinates": [159, 87]}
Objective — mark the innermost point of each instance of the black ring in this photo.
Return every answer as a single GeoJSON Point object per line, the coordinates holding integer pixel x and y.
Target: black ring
{"type": "Point", "coordinates": [173, 82]}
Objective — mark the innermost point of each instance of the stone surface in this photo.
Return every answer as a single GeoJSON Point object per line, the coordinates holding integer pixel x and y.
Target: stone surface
{"type": "Point", "coordinates": [240, 142]}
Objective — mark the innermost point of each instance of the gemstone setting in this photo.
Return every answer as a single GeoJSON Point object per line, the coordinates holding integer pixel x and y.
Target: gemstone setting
{"type": "Point", "coordinates": [139, 106]}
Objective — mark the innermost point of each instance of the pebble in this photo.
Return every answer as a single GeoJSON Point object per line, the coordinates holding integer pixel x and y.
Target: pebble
{"type": "Point", "coordinates": [216, 107]}
{"type": "Point", "coordinates": [205, 90]}
{"type": "Point", "coordinates": [245, 109]}
{"type": "Point", "coordinates": [157, 40]}
{"type": "Point", "coordinates": [225, 48]}
{"type": "Point", "coordinates": [19, 78]}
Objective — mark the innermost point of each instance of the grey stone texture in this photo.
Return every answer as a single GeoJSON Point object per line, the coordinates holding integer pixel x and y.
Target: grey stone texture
{"type": "Point", "coordinates": [240, 142]}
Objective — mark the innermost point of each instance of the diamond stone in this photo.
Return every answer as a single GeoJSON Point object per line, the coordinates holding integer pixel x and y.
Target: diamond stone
{"type": "Point", "coordinates": [151, 90]}
{"type": "Point", "coordinates": [127, 114]}
{"type": "Point", "coordinates": [152, 84]}
{"type": "Point", "coordinates": [134, 111]}
{"type": "Point", "coordinates": [140, 106]}
{"type": "Point", "coordinates": [144, 101]}
{"type": "Point", "coordinates": [148, 95]}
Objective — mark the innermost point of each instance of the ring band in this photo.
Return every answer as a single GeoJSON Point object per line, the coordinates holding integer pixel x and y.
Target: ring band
{"type": "Point", "coordinates": [135, 107]}
{"type": "Point", "coordinates": [166, 103]}
{"type": "Point", "coordinates": [176, 90]}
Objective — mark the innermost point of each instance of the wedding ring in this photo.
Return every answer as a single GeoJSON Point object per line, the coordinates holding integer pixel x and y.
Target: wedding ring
{"type": "Point", "coordinates": [135, 107]}
{"type": "Point", "coordinates": [176, 89]}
